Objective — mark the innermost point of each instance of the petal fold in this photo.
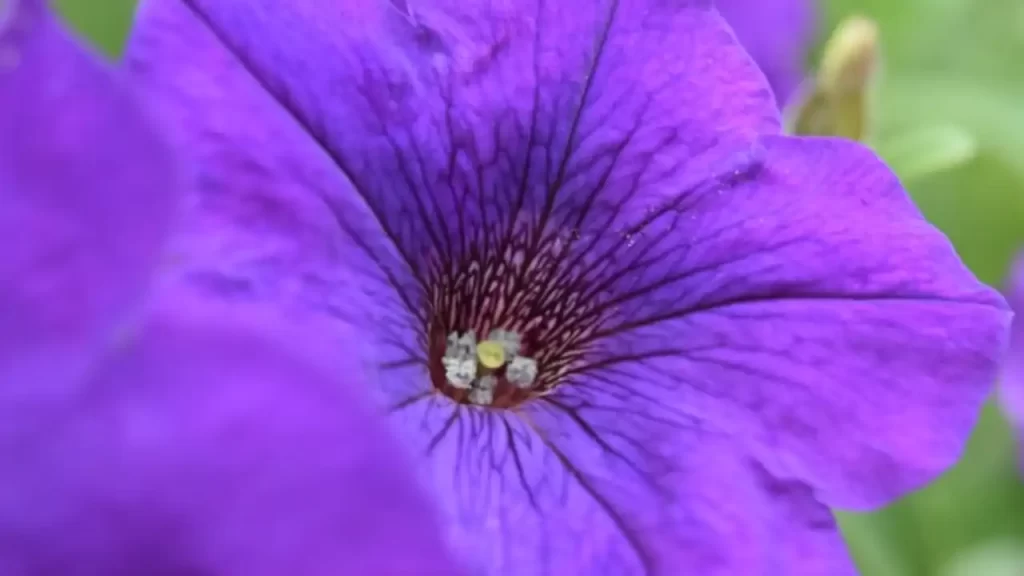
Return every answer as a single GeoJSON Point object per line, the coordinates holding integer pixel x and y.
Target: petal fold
{"type": "Point", "coordinates": [219, 440]}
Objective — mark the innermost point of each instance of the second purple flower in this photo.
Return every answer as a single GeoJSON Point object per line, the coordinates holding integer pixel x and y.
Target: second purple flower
{"type": "Point", "coordinates": [777, 34]}
{"type": "Point", "coordinates": [1012, 384]}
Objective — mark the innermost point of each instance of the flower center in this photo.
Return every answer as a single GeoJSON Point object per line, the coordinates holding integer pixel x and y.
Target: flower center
{"type": "Point", "coordinates": [491, 372]}
{"type": "Point", "coordinates": [509, 323]}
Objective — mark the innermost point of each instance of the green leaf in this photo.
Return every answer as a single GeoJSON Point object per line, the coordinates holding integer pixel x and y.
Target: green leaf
{"type": "Point", "coordinates": [929, 150]}
{"type": "Point", "coordinates": [104, 22]}
{"type": "Point", "coordinates": [995, 558]}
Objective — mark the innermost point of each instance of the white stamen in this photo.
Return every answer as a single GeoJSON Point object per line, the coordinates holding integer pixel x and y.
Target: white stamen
{"type": "Point", "coordinates": [483, 392]}
{"type": "Point", "coordinates": [521, 371]}
{"type": "Point", "coordinates": [460, 360]}
{"type": "Point", "coordinates": [460, 372]}
{"type": "Point", "coordinates": [461, 346]}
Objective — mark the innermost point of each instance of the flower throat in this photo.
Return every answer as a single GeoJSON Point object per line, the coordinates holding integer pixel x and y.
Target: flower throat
{"type": "Point", "coordinates": [507, 323]}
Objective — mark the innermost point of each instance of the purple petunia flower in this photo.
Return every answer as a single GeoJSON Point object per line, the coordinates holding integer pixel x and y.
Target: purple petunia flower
{"type": "Point", "coordinates": [777, 34]}
{"type": "Point", "coordinates": [1011, 390]}
{"type": "Point", "coordinates": [625, 326]}
{"type": "Point", "coordinates": [186, 437]}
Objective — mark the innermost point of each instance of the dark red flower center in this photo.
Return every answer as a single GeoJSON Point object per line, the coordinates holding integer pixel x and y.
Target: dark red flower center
{"type": "Point", "coordinates": [508, 322]}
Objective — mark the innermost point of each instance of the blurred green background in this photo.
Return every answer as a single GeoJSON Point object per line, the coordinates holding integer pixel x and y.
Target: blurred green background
{"type": "Point", "coordinates": [953, 73]}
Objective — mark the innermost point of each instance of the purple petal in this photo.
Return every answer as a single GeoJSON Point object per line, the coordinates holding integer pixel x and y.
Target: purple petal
{"type": "Point", "coordinates": [778, 35]}
{"type": "Point", "coordinates": [86, 189]}
{"type": "Point", "coordinates": [384, 60]}
{"type": "Point", "coordinates": [1011, 390]}
{"type": "Point", "coordinates": [458, 78]}
{"type": "Point", "coordinates": [315, 138]}
{"type": "Point", "coordinates": [614, 490]}
{"type": "Point", "coordinates": [219, 441]}
{"type": "Point", "coordinates": [829, 322]}
{"type": "Point", "coordinates": [260, 220]}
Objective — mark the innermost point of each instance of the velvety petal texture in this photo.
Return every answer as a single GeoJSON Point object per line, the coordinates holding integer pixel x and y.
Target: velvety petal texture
{"type": "Point", "coordinates": [86, 190]}
{"type": "Point", "coordinates": [1011, 391]}
{"type": "Point", "coordinates": [755, 318]}
{"type": "Point", "coordinates": [216, 441]}
{"type": "Point", "coordinates": [183, 437]}
{"type": "Point", "coordinates": [777, 34]}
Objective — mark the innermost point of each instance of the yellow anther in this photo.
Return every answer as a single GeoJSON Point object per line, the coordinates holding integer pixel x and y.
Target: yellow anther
{"type": "Point", "coordinates": [491, 354]}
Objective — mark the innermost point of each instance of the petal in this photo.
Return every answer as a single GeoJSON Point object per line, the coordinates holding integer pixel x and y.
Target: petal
{"type": "Point", "coordinates": [218, 441]}
{"type": "Point", "coordinates": [777, 34]}
{"type": "Point", "coordinates": [614, 492]}
{"type": "Point", "coordinates": [383, 61]}
{"type": "Point", "coordinates": [87, 190]}
{"type": "Point", "coordinates": [1011, 389]}
{"type": "Point", "coordinates": [260, 218]}
{"type": "Point", "coordinates": [817, 313]}
{"type": "Point", "coordinates": [465, 97]}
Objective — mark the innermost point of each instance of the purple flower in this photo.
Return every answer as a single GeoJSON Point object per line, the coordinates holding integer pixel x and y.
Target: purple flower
{"type": "Point", "coordinates": [178, 436]}
{"type": "Point", "coordinates": [777, 34]}
{"type": "Point", "coordinates": [1011, 390]}
{"type": "Point", "coordinates": [626, 326]}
